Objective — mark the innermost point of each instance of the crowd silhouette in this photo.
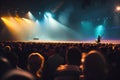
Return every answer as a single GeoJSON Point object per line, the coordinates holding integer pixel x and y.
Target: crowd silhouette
{"type": "Point", "coordinates": [59, 61]}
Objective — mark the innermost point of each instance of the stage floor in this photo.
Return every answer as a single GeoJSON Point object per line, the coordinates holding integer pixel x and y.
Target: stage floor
{"type": "Point", "coordinates": [89, 41]}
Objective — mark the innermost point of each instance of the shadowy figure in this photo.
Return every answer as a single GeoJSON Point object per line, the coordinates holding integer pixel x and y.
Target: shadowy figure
{"type": "Point", "coordinates": [35, 65]}
{"type": "Point", "coordinates": [98, 40]}
{"type": "Point", "coordinates": [95, 66]}
{"type": "Point", "coordinates": [51, 64]}
{"type": "Point", "coordinates": [71, 70]}
{"type": "Point", "coordinates": [11, 56]}
{"type": "Point", "coordinates": [4, 66]}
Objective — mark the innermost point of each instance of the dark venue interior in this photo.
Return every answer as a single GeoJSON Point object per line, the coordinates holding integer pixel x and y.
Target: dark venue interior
{"type": "Point", "coordinates": [60, 39]}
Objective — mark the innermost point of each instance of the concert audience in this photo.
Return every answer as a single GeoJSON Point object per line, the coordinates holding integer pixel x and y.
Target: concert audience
{"type": "Point", "coordinates": [55, 53]}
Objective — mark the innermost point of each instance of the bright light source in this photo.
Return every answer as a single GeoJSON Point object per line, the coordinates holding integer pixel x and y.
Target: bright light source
{"type": "Point", "coordinates": [100, 30]}
{"type": "Point", "coordinates": [48, 15]}
{"type": "Point", "coordinates": [118, 8]}
{"type": "Point", "coordinates": [2, 18]}
{"type": "Point", "coordinates": [29, 13]}
{"type": "Point", "coordinates": [37, 22]}
{"type": "Point", "coordinates": [39, 13]}
{"type": "Point", "coordinates": [12, 25]}
{"type": "Point", "coordinates": [31, 16]}
{"type": "Point", "coordinates": [26, 20]}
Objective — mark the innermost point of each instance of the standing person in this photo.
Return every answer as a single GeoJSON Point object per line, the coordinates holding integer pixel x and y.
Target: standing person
{"type": "Point", "coordinates": [98, 39]}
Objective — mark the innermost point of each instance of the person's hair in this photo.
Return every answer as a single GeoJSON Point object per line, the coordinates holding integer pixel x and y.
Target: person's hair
{"type": "Point", "coordinates": [35, 63]}
{"type": "Point", "coordinates": [7, 49]}
{"type": "Point", "coordinates": [73, 56]}
{"type": "Point", "coordinates": [94, 66]}
{"type": "Point", "coordinates": [18, 75]}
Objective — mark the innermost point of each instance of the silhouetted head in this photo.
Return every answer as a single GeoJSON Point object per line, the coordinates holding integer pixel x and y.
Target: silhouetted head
{"type": "Point", "coordinates": [7, 49]}
{"type": "Point", "coordinates": [35, 63]}
{"type": "Point", "coordinates": [73, 56]}
{"type": "Point", "coordinates": [95, 67]}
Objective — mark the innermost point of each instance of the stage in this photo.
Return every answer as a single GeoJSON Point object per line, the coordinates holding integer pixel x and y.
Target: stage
{"type": "Point", "coordinates": [71, 41]}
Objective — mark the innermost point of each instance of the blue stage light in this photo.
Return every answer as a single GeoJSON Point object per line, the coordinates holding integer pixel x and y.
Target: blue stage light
{"type": "Point", "coordinates": [100, 30]}
{"type": "Point", "coordinates": [48, 15]}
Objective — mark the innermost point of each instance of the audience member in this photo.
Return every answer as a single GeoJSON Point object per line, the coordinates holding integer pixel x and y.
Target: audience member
{"type": "Point", "coordinates": [71, 70]}
{"type": "Point", "coordinates": [51, 64]}
{"type": "Point", "coordinates": [18, 75]}
{"type": "Point", "coordinates": [11, 56]}
{"type": "Point", "coordinates": [52, 53]}
{"type": "Point", "coordinates": [95, 66]}
{"type": "Point", "coordinates": [35, 65]}
{"type": "Point", "coordinates": [4, 66]}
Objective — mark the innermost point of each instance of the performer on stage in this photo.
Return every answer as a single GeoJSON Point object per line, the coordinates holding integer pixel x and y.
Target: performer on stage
{"type": "Point", "coordinates": [98, 40]}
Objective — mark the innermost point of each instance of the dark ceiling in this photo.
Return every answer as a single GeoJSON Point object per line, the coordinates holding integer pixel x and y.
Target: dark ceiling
{"type": "Point", "coordinates": [37, 5]}
{"type": "Point", "coordinates": [82, 9]}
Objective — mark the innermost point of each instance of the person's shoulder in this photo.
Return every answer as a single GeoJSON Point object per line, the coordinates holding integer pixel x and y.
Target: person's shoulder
{"type": "Point", "coordinates": [68, 68]}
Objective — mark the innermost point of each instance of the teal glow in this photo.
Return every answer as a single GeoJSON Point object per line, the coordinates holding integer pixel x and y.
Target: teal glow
{"type": "Point", "coordinates": [86, 24]}
{"type": "Point", "coordinates": [47, 15]}
{"type": "Point", "coordinates": [99, 30]}
{"type": "Point", "coordinates": [86, 28]}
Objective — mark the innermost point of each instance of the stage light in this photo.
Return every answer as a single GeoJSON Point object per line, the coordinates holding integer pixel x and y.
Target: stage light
{"type": "Point", "coordinates": [48, 15]}
{"type": "Point", "coordinates": [37, 23]}
{"type": "Point", "coordinates": [19, 20]}
{"type": "Point", "coordinates": [39, 13]}
{"type": "Point", "coordinates": [7, 21]}
{"type": "Point", "coordinates": [12, 25]}
{"type": "Point", "coordinates": [117, 8]}
{"type": "Point", "coordinates": [100, 30]}
{"type": "Point", "coordinates": [2, 18]}
{"type": "Point", "coordinates": [21, 28]}
{"type": "Point", "coordinates": [27, 20]}
{"type": "Point", "coordinates": [31, 16]}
